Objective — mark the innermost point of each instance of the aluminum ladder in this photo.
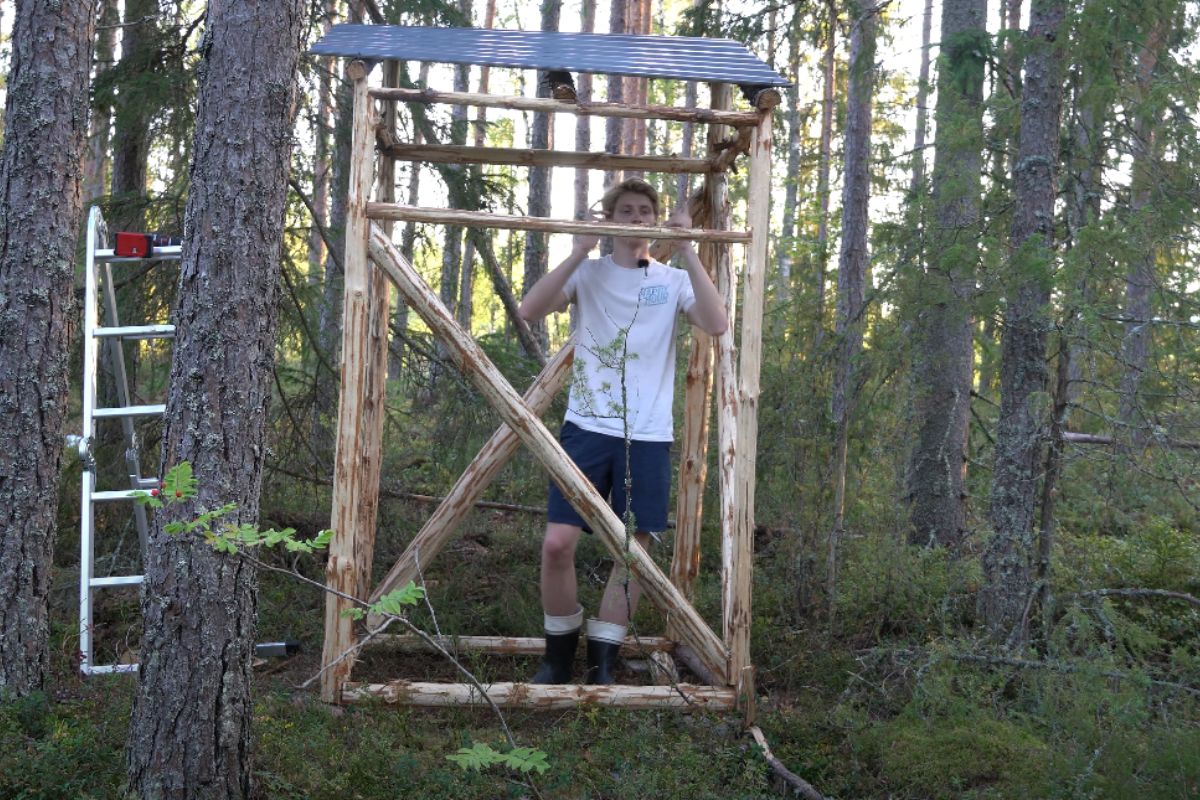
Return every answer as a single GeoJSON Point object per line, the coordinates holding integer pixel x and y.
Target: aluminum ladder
{"type": "Point", "coordinates": [98, 287]}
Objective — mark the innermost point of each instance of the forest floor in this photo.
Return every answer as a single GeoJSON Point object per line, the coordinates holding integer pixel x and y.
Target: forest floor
{"type": "Point", "coordinates": [895, 699]}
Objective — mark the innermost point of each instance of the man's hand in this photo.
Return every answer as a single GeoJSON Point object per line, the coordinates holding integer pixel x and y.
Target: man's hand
{"type": "Point", "coordinates": [679, 218]}
{"type": "Point", "coordinates": [584, 243]}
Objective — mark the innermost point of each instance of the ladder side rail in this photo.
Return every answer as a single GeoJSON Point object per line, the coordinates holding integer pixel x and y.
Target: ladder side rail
{"type": "Point", "coordinates": [116, 355]}
{"type": "Point", "coordinates": [90, 348]}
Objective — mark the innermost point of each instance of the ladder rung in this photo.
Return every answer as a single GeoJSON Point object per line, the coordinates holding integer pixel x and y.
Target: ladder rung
{"type": "Point", "coordinates": [116, 580]}
{"type": "Point", "coordinates": [108, 669]}
{"type": "Point", "coordinates": [120, 494]}
{"type": "Point", "coordinates": [136, 332]}
{"type": "Point", "coordinates": [128, 411]}
{"type": "Point", "coordinates": [148, 483]}
{"type": "Point", "coordinates": [158, 254]}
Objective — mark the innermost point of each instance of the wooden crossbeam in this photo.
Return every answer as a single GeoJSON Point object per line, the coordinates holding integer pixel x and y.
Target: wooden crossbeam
{"type": "Point", "coordinates": [476, 366]}
{"type": "Point", "coordinates": [738, 119]}
{"type": "Point", "coordinates": [441, 526]}
{"type": "Point", "coordinates": [511, 645]}
{"type": "Point", "coordinates": [681, 696]}
{"type": "Point", "coordinates": [524, 157]}
{"type": "Point", "coordinates": [484, 219]}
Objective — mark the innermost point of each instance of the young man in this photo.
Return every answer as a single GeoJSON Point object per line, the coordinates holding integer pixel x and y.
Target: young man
{"type": "Point", "coordinates": [627, 307]}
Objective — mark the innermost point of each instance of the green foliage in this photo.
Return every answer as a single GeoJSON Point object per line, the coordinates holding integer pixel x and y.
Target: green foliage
{"type": "Point", "coordinates": [180, 486]}
{"type": "Point", "coordinates": [391, 604]}
{"type": "Point", "coordinates": [480, 756]}
{"type": "Point", "coordinates": [889, 589]}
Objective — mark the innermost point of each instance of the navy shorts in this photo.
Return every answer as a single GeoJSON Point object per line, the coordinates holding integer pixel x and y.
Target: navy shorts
{"type": "Point", "coordinates": [602, 459]}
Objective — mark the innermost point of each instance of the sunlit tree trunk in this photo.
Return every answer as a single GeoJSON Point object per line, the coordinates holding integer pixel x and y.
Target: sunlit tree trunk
{"type": "Point", "coordinates": [829, 77]}
{"type": "Point", "coordinates": [536, 255]}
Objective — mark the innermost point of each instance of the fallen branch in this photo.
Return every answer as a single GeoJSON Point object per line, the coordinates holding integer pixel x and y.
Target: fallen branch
{"type": "Point", "coordinates": [1022, 663]}
{"type": "Point", "coordinates": [1164, 593]}
{"type": "Point", "coordinates": [800, 787]}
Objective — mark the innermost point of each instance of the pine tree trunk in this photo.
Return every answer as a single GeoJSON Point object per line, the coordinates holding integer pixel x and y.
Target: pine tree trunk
{"type": "Point", "coordinates": [45, 122]}
{"type": "Point", "coordinates": [1140, 279]}
{"type": "Point", "coordinates": [616, 94]}
{"type": "Point", "coordinates": [583, 125]}
{"type": "Point", "coordinates": [467, 281]}
{"type": "Point", "coordinates": [322, 132]}
{"type": "Point", "coordinates": [942, 341]}
{"type": "Point", "coordinates": [825, 165]}
{"type": "Point", "coordinates": [536, 256]}
{"type": "Point", "coordinates": [795, 132]}
{"type": "Point", "coordinates": [852, 261]}
{"type": "Point", "coordinates": [917, 185]}
{"type": "Point", "coordinates": [1008, 559]}
{"type": "Point", "coordinates": [96, 160]}
{"type": "Point", "coordinates": [131, 128]}
{"type": "Point", "coordinates": [189, 735]}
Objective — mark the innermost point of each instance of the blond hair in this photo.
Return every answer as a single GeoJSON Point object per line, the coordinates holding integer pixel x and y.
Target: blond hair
{"type": "Point", "coordinates": [608, 203]}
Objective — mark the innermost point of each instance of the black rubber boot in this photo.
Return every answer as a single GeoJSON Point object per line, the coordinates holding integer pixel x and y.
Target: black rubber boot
{"type": "Point", "coordinates": [601, 661]}
{"type": "Point", "coordinates": [558, 665]}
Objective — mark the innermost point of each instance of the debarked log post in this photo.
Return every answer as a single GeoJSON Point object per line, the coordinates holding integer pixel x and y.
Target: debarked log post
{"type": "Point", "coordinates": [358, 454]}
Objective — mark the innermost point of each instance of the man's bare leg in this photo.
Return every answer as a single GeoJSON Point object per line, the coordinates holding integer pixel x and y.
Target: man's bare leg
{"type": "Point", "coordinates": [606, 634]}
{"type": "Point", "coordinates": [560, 594]}
{"type": "Point", "coordinates": [560, 602]}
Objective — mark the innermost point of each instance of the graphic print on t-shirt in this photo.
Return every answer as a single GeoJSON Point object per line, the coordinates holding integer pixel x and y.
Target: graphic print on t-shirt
{"type": "Point", "coordinates": [653, 295]}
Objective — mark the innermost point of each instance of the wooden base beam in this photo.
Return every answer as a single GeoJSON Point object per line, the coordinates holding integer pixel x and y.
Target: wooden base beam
{"type": "Point", "coordinates": [682, 696]}
{"type": "Point", "coordinates": [738, 119]}
{"type": "Point", "coordinates": [484, 219]}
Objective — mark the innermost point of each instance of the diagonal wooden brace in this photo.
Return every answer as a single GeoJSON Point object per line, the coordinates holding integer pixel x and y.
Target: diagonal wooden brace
{"type": "Point", "coordinates": [440, 528]}
{"type": "Point", "coordinates": [476, 366]}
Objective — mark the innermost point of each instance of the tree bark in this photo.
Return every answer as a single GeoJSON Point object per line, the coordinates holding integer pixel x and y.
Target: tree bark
{"type": "Point", "coordinates": [852, 259]}
{"type": "Point", "coordinates": [467, 279]}
{"type": "Point", "coordinates": [616, 94]}
{"type": "Point", "coordinates": [825, 164]}
{"type": "Point", "coordinates": [917, 185]}
{"type": "Point", "coordinates": [189, 735]}
{"type": "Point", "coordinates": [1008, 558]}
{"type": "Point", "coordinates": [131, 118]}
{"type": "Point", "coordinates": [536, 256]}
{"type": "Point", "coordinates": [942, 342]}
{"type": "Point", "coordinates": [45, 122]}
{"type": "Point", "coordinates": [795, 133]}
{"type": "Point", "coordinates": [583, 125]}
{"type": "Point", "coordinates": [1140, 279]}
{"type": "Point", "coordinates": [96, 160]}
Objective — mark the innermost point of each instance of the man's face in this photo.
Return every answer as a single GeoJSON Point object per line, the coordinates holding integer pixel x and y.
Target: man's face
{"type": "Point", "coordinates": [634, 208]}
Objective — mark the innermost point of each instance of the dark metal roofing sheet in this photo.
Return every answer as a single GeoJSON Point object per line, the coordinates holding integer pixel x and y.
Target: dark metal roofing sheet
{"type": "Point", "coordinates": [682, 57]}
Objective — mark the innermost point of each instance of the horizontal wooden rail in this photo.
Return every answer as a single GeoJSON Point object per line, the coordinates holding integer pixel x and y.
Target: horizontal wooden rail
{"type": "Point", "coordinates": [737, 119]}
{"type": "Point", "coordinates": [682, 696]}
{"type": "Point", "coordinates": [484, 219]}
{"type": "Point", "coordinates": [510, 645]}
{"type": "Point", "coordinates": [523, 157]}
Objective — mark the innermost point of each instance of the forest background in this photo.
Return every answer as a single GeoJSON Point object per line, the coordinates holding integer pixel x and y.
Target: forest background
{"type": "Point", "coordinates": [977, 557]}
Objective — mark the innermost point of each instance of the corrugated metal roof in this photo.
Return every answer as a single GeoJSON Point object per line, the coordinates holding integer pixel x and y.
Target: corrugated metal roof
{"type": "Point", "coordinates": [682, 57]}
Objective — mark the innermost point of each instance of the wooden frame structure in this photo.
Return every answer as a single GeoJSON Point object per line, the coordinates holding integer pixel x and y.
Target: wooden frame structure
{"type": "Point", "coordinates": [372, 262]}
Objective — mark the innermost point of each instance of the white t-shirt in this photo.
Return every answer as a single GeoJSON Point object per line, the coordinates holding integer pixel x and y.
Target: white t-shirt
{"type": "Point", "coordinates": [645, 304]}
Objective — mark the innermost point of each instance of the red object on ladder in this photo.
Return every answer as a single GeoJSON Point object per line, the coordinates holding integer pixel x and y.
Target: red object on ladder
{"type": "Point", "coordinates": [132, 245]}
